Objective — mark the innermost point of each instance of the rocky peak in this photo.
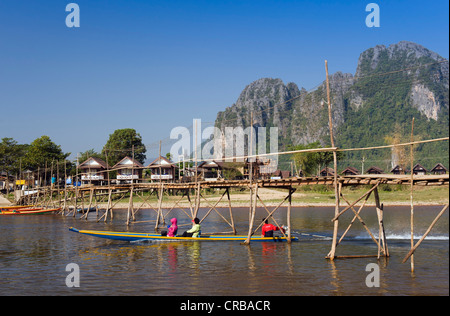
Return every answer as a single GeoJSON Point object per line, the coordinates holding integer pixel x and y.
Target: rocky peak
{"type": "Point", "coordinates": [427, 74]}
{"type": "Point", "coordinates": [404, 53]}
{"type": "Point", "coordinates": [267, 98]}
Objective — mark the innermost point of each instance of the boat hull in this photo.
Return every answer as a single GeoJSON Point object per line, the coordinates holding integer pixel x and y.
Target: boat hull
{"type": "Point", "coordinates": [126, 236]}
{"type": "Point", "coordinates": [6, 208]}
{"type": "Point", "coordinates": [21, 212]}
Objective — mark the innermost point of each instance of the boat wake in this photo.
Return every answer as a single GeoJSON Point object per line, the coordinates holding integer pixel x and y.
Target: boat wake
{"type": "Point", "coordinates": [404, 236]}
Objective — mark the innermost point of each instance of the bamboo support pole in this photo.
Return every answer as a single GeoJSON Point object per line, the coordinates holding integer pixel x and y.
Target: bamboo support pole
{"type": "Point", "coordinates": [197, 201]}
{"type": "Point", "coordinates": [130, 207]}
{"type": "Point", "coordinates": [109, 207]}
{"type": "Point", "coordinates": [382, 242]}
{"type": "Point", "coordinates": [336, 188]}
{"type": "Point", "coordinates": [271, 213]}
{"type": "Point", "coordinates": [354, 218]}
{"type": "Point", "coordinates": [76, 195]}
{"type": "Point", "coordinates": [160, 198]}
{"type": "Point", "coordinates": [361, 220]}
{"type": "Point", "coordinates": [413, 249]}
{"type": "Point", "coordinates": [353, 204]}
{"type": "Point", "coordinates": [231, 211]}
{"type": "Point", "coordinates": [288, 215]}
{"type": "Point", "coordinates": [412, 192]}
{"type": "Point", "coordinates": [213, 207]}
{"type": "Point", "coordinates": [253, 190]}
{"type": "Point", "coordinates": [91, 196]}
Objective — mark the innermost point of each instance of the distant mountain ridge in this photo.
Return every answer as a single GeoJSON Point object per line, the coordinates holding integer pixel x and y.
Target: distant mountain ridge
{"type": "Point", "coordinates": [391, 85]}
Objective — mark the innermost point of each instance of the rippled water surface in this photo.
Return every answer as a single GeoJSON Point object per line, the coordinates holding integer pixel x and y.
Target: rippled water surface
{"type": "Point", "coordinates": [34, 252]}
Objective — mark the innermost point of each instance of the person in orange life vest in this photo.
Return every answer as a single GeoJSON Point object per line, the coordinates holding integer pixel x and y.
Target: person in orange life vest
{"type": "Point", "coordinates": [268, 229]}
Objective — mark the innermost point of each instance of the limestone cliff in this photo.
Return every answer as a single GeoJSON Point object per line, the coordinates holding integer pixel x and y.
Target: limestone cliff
{"type": "Point", "coordinates": [390, 86]}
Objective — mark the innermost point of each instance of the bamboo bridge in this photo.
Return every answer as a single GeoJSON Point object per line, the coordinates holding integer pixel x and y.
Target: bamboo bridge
{"type": "Point", "coordinates": [104, 199]}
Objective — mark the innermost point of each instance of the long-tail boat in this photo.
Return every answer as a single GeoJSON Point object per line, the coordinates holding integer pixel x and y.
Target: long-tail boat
{"type": "Point", "coordinates": [128, 236]}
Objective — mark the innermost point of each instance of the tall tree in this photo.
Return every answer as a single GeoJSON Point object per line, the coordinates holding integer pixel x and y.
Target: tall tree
{"type": "Point", "coordinates": [90, 153]}
{"type": "Point", "coordinates": [121, 143]}
{"type": "Point", "coordinates": [312, 162]}
{"type": "Point", "coordinates": [41, 151]}
{"type": "Point", "coordinates": [10, 156]}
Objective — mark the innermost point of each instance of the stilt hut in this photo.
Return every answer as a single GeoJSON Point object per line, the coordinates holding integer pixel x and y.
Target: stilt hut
{"type": "Point", "coordinates": [374, 170]}
{"type": "Point", "coordinates": [419, 170]}
{"type": "Point", "coordinates": [350, 171]}
{"type": "Point", "coordinates": [128, 169]}
{"type": "Point", "coordinates": [93, 171]}
{"type": "Point", "coordinates": [398, 169]}
{"type": "Point", "coordinates": [210, 170]}
{"type": "Point", "coordinates": [326, 172]}
{"type": "Point", "coordinates": [162, 169]}
{"type": "Point", "coordinates": [438, 169]}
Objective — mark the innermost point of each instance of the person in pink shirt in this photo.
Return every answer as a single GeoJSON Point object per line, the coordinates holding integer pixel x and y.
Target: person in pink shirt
{"type": "Point", "coordinates": [173, 229]}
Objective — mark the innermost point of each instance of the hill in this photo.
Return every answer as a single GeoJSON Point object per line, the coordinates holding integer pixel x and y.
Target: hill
{"type": "Point", "coordinates": [372, 107]}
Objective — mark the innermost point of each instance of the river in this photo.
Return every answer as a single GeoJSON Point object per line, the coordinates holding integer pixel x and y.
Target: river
{"type": "Point", "coordinates": [35, 250]}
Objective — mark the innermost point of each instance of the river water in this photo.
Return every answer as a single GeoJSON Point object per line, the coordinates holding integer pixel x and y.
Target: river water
{"type": "Point", "coordinates": [35, 250]}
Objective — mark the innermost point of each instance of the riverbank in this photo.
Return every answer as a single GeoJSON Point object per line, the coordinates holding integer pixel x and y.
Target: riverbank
{"type": "Point", "coordinates": [305, 196]}
{"type": "Point", "coordinates": [4, 201]}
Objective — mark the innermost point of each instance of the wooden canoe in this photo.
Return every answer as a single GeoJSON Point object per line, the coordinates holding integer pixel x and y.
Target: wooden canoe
{"type": "Point", "coordinates": [128, 236]}
{"type": "Point", "coordinates": [15, 207]}
{"type": "Point", "coordinates": [32, 211]}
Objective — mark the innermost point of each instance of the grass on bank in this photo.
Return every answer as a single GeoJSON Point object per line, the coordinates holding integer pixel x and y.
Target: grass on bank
{"type": "Point", "coordinates": [322, 194]}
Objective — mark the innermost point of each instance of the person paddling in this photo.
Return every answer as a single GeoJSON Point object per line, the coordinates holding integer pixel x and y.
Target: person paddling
{"type": "Point", "coordinates": [268, 229]}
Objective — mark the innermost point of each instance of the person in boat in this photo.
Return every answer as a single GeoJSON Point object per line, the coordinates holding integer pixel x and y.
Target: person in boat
{"type": "Point", "coordinates": [194, 232]}
{"type": "Point", "coordinates": [268, 229]}
{"type": "Point", "coordinates": [172, 229]}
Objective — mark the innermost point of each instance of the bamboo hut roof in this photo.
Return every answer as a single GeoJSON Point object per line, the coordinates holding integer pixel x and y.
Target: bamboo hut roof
{"type": "Point", "coordinates": [208, 165]}
{"type": "Point", "coordinates": [419, 167]}
{"type": "Point", "coordinates": [128, 162]}
{"type": "Point", "coordinates": [438, 166]}
{"type": "Point", "coordinates": [399, 168]}
{"type": "Point", "coordinates": [161, 162]}
{"type": "Point", "coordinates": [351, 170]}
{"type": "Point", "coordinates": [93, 163]}
{"type": "Point", "coordinates": [375, 170]}
{"type": "Point", "coordinates": [327, 170]}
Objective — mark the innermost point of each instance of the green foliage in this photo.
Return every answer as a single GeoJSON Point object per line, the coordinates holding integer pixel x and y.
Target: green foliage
{"type": "Point", "coordinates": [387, 110]}
{"type": "Point", "coordinates": [41, 151]}
{"type": "Point", "coordinates": [121, 143]}
{"type": "Point", "coordinates": [10, 155]}
{"type": "Point", "coordinates": [311, 162]}
{"type": "Point", "coordinates": [83, 156]}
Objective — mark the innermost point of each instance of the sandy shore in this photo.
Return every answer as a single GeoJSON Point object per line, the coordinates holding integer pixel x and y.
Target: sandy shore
{"type": "Point", "coordinates": [270, 197]}
{"type": "Point", "coordinates": [4, 201]}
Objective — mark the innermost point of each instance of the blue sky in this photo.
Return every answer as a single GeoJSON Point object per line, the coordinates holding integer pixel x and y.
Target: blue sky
{"type": "Point", "coordinates": [154, 65]}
